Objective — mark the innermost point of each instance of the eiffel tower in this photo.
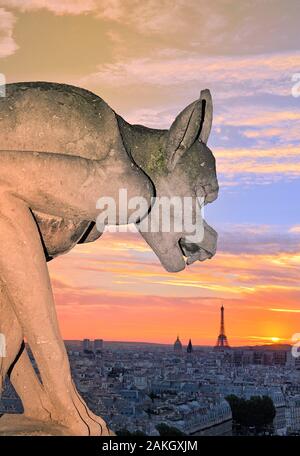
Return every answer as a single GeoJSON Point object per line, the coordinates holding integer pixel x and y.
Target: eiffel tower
{"type": "Point", "coordinates": [222, 342]}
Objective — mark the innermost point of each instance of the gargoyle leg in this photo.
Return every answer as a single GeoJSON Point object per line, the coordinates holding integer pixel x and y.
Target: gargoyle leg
{"type": "Point", "coordinates": [36, 403]}
{"type": "Point", "coordinates": [11, 335]}
{"type": "Point", "coordinates": [31, 392]}
{"type": "Point", "coordinates": [24, 273]}
{"type": "Point", "coordinates": [17, 365]}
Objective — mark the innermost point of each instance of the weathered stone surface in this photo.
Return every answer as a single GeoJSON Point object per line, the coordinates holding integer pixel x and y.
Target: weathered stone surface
{"type": "Point", "coordinates": [20, 425]}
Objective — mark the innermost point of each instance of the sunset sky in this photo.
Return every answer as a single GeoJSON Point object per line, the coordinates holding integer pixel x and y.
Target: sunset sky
{"type": "Point", "coordinates": [149, 59]}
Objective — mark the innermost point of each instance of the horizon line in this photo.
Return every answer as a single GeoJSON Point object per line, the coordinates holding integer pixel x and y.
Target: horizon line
{"type": "Point", "coordinates": [171, 344]}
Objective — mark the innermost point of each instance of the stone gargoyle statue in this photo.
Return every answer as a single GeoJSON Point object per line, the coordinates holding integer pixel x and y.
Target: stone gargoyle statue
{"type": "Point", "coordinates": [62, 147]}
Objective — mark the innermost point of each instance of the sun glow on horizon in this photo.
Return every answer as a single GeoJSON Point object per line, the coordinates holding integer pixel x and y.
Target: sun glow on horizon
{"type": "Point", "coordinates": [275, 339]}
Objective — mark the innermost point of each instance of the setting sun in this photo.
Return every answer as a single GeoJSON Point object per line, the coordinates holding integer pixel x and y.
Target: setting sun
{"type": "Point", "coordinates": [275, 339]}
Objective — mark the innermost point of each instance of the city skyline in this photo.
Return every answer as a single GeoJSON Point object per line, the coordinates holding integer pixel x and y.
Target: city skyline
{"type": "Point", "coordinates": [222, 340]}
{"type": "Point", "coordinates": [185, 343]}
{"type": "Point", "coordinates": [140, 387]}
{"type": "Point", "coordinates": [130, 54]}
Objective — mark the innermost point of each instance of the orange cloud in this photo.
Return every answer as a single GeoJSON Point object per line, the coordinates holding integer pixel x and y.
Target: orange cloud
{"type": "Point", "coordinates": [258, 119]}
{"type": "Point", "coordinates": [295, 229]}
{"type": "Point", "coordinates": [251, 153]}
{"type": "Point", "coordinates": [286, 310]}
{"type": "Point", "coordinates": [58, 7]}
{"type": "Point", "coordinates": [8, 46]}
{"type": "Point", "coordinates": [182, 67]}
{"type": "Point", "coordinates": [283, 162]}
{"type": "Point", "coordinates": [289, 169]}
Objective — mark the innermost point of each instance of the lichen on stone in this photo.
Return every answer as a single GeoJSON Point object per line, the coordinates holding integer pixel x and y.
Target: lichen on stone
{"type": "Point", "coordinates": [157, 162]}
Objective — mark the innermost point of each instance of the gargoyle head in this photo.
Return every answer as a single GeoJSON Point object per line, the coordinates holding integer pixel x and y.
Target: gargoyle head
{"type": "Point", "coordinates": [182, 168]}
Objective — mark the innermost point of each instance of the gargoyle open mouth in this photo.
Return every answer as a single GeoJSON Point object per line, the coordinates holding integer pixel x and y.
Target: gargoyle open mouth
{"type": "Point", "coordinates": [203, 250]}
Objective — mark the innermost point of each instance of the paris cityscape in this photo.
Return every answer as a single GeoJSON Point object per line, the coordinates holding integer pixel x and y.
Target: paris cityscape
{"type": "Point", "coordinates": [181, 389]}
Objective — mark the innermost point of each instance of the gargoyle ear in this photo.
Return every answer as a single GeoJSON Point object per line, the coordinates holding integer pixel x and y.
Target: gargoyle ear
{"type": "Point", "coordinates": [207, 115]}
{"type": "Point", "coordinates": [193, 123]}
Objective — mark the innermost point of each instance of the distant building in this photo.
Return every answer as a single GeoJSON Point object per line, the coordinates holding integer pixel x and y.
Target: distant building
{"type": "Point", "coordinates": [86, 345]}
{"type": "Point", "coordinates": [140, 382]}
{"type": "Point", "coordinates": [270, 357]}
{"type": "Point", "coordinates": [293, 414]}
{"type": "Point", "coordinates": [196, 418]}
{"type": "Point", "coordinates": [189, 347]}
{"type": "Point", "coordinates": [279, 357]}
{"type": "Point", "coordinates": [177, 346]}
{"type": "Point", "coordinates": [98, 345]}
